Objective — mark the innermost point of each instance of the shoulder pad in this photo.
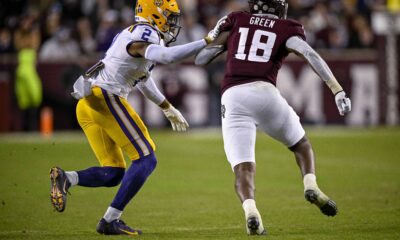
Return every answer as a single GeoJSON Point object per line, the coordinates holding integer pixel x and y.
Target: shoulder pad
{"type": "Point", "coordinates": [144, 33]}
{"type": "Point", "coordinates": [295, 28]}
{"type": "Point", "coordinates": [294, 23]}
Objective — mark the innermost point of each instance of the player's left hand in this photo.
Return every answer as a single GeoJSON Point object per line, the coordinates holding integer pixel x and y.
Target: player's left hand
{"type": "Point", "coordinates": [213, 34]}
{"type": "Point", "coordinates": [178, 122]}
{"type": "Point", "coordinates": [343, 103]}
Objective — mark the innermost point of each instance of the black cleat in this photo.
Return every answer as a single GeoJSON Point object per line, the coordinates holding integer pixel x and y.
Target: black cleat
{"type": "Point", "coordinates": [59, 188]}
{"type": "Point", "coordinates": [116, 227]}
{"type": "Point", "coordinates": [323, 202]}
{"type": "Point", "coordinates": [254, 227]}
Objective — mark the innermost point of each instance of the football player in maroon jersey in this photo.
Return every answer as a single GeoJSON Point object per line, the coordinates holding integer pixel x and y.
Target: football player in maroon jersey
{"type": "Point", "coordinates": [257, 43]}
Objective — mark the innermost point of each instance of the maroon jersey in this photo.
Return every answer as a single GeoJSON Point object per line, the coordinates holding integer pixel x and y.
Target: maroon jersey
{"type": "Point", "coordinates": [256, 47]}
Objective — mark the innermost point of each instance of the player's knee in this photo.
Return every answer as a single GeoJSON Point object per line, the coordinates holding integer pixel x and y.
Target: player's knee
{"type": "Point", "coordinates": [114, 175]}
{"type": "Point", "coordinates": [245, 167]}
{"type": "Point", "coordinates": [151, 161]}
{"type": "Point", "coordinates": [244, 172]}
{"type": "Point", "coordinates": [301, 144]}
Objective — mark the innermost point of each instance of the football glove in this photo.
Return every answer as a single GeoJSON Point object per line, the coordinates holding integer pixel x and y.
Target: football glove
{"type": "Point", "coordinates": [178, 122]}
{"type": "Point", "coordinates": [343, 103]}
{"type": "Point", "coordinates": [213, 34]}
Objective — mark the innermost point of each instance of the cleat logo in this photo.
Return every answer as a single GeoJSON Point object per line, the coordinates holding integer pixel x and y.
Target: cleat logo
{"type": "Point", "coordinates": [65, 186]}
{"type": "Point", "coordinates": [128, 232]}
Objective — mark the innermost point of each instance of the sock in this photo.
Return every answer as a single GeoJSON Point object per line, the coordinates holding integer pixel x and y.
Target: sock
{"type": "Point", "coordinates": [133, 180]}
{"type": "Point", "coordinates": [249, 207]}
{"type": "Point", "coordinates": [112, 214]}
{"type": "Point", "coordinates": [73, 177]}
{"type": "Point", "coordinates": [310, 181]}
{"type": "Point", "coordinates": [100, 176]}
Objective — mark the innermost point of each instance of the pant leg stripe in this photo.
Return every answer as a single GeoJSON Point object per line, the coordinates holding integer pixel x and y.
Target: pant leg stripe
{"type": "Point", "coordinates": [121, 124]}
{"type": "Point", "coordinates": [128, 125]}
{"type": "Point", "coordinates": [133, 124]}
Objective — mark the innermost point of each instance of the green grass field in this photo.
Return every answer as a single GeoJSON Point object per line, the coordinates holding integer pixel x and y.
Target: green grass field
{"type": "Point", "coordinates": [191, 196]}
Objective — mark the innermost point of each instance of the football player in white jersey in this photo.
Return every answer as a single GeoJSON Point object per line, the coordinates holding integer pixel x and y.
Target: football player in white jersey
{"type": "Point", "coordinates": [110, 124]}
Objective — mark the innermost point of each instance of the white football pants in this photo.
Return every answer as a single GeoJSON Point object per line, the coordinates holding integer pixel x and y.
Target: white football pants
{"type": "Point", "coordinates": [248, 106]}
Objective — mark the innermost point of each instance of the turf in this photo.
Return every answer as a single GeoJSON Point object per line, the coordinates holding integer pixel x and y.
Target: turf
{"type": "Point", "coordinates": [191, 196]}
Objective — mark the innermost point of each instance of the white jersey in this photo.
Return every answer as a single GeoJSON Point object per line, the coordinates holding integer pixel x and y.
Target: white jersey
{"type": "Point", "coordinates": [122, 71]}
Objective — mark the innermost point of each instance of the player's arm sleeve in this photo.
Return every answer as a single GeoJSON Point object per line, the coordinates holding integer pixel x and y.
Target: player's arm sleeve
{"type": "Point", "coordinates": [166, 55]}
{"type": "Point", "coordinates": [149, 89]}
{"type": "Point", "coordinates": [207, 54]}
{"type": "Point", "coordinates": [301, 47]}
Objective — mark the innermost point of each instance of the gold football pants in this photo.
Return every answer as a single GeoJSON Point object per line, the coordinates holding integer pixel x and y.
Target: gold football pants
{"type": "Point", "coordinates": [112, 125]}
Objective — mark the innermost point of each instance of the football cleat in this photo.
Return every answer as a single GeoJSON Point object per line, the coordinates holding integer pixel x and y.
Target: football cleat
{"type": "Point", "coordinates": [323, 202]}
{"type": "Point", "coordinates": [116, 227]}
{"type": "Point", "coordinates": [59, 188]}
{"type": "Point", "coordinates": [254, 226]}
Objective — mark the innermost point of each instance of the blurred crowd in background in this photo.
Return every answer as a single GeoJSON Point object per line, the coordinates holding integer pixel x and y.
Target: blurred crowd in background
{"type": "Point", "coordinates": [74, 34]}
{"type": "Point", "coordinates": [65, 29]}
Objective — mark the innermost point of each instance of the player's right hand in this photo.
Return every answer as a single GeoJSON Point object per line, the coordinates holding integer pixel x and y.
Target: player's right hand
{"type": "Point", "coordinates": [213, 34]}
{"type": "Point", "coordinates": [343, 103]}
{"type": "Point", "coordinates": [178, 122]}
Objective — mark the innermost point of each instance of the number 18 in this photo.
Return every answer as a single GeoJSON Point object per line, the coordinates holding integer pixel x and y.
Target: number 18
{"type": "Point", "coordinates": [256, 45]}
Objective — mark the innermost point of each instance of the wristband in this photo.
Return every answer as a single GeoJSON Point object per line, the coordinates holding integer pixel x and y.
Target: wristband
{"type": "Point", "coordinates": [208, 40]}
{"type": "Point", "coordinates": [334, 86]}
{"type": "Point", "coordinates": [165, 104]}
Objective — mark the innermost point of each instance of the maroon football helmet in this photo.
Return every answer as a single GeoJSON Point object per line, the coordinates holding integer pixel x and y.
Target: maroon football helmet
{"type": "Point", "coordinates": [274, 7]}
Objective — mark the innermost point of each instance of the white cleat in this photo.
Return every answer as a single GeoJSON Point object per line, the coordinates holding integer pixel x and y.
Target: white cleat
{"type": "Point", "coordinates": [323, 202]}
{"type": "Point", "coordinates": [254, 225]}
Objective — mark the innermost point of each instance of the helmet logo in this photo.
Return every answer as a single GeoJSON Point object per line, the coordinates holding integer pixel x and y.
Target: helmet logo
{"type": "Point", "coordinates": [158, 3]}
{"type": "Point", "coordinates": [139, 9]}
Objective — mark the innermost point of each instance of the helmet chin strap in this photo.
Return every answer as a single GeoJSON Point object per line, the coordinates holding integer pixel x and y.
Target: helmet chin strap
{"type": "Point", "coordinates": [168, 38]}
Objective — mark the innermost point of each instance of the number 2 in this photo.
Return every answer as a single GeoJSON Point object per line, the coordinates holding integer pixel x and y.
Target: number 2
{"type": "Point", "coordinates": [256, 45]}
{"type": "Point", "coordinates": [146, 34]}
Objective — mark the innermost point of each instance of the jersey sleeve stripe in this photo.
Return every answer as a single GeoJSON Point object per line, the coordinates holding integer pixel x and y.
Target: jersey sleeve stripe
{"type": "Point", "coordinates": [142, 24]}
{"type": "Point", "coordinates": [129, 45]}
{"type": "Point", "coordinates": [127, 49]}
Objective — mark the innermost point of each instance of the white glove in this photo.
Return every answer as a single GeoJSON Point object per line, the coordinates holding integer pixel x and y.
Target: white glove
{"type": "Point", "coordinates": [343, 103]}
{"type": "Point", "coordinates": [213, 34]}
{"type": "Point", "coordinates": [178, 122]}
